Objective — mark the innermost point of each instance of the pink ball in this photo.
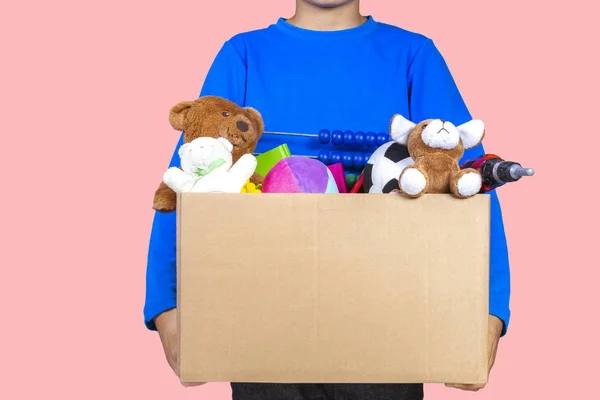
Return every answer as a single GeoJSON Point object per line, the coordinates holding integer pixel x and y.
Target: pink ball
{"type": "Point", "coordinates": [299, 174]}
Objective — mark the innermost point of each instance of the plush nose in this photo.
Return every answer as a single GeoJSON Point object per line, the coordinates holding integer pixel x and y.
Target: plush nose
{"type": "Point", "coordinates": [200, 151]}
{"type": "Point", "coordinates": [242, 126]}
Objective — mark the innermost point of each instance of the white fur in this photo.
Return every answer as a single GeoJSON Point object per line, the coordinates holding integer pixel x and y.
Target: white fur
{"type": "Point", "coordinates": [469, 184]}
{"type": "Point", "coordinates": [200, 153]}
{"type": "Point", "coordinates": [441, 135]}
{"type": "Point", "coordinates": [471, 133]}
{"type": "Point", "coordinates": [412, 181]}
{"type": "Point", "coordinates": [400, 129]}
{"type": "Point", "coordinates": [438, 134]}
{"type": "Point", "coordinates": [225, 143]}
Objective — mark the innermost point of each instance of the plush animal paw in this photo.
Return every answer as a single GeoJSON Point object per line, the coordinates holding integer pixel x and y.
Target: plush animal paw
{"type": "Point", "coordinates": [165, 199]}
{"type": "Point", "coordinates": [469, 184]}
{"type": "Point", "coordinates": [412, 182]}
{"type": "Point", "coordinates": [257, 179]}
{"type": "Point", "coordinates": [170, 176]}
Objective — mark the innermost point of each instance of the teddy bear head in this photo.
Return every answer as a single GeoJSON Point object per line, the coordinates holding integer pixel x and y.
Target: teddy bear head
{"type": "Point", "coordinates": [212, 116]}
{"type": "Point", "coordinates": [205, 154]}
{"type": "Point", "coordinates": [436, 136]}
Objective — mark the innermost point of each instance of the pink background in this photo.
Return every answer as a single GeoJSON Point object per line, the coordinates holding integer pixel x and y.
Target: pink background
{"type": "Point", "coordinates": [85, 90]}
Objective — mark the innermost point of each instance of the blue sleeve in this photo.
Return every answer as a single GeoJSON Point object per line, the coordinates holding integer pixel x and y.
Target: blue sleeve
{"type": "Point", "coordinates": [433, 93]}
{"type": "Point", "coordinates": [226, 78]}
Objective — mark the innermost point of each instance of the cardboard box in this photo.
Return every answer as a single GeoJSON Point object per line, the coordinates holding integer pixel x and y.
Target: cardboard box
{"type": "Point", "coordinates": [357, 288]}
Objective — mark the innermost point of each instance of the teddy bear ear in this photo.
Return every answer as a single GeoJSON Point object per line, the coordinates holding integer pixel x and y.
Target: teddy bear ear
{"type": "Point", "coordinates": [182, 149]}
{"type": "Point", "coordinates": [226, 143]}
{"type": "Point", "coordinates": [471, 133]}
{"type": "Point", "coordinates": [257, 119]}
{"type": "Point", "coordinates": [400, 129]}
{"type": "Point", "coordinates": [178, 114]}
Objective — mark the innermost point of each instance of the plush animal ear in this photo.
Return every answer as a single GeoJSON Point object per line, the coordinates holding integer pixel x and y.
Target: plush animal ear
{"type": "Point", "coordinates": [471, 133]}
{"type": "Point", "coordinates": [226, 143]}
{"type": "Point", "coordinates": [178, 114]}
{"type": "Point", "coordinates": [400, 128]}
{"type": "Point", "coordinates": [257, 119]}
{"type": "Point", "coordinates": [182, 149]}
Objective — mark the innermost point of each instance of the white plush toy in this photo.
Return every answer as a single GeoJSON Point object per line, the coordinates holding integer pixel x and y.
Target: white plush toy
{"type": "Point", "coordinates": [207, 166]}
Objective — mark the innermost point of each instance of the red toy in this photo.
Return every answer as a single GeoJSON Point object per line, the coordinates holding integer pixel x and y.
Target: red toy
{"type": "Point", "coordinates": [495, 171]}
{"type": "Point", "coordinates": [358, 184]}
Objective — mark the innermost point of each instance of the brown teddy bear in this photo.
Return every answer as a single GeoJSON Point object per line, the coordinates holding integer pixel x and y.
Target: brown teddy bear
{"type": "Point", "coordinates": [212, 116]}
{"type": "Point", "coordinates": [436, 146]}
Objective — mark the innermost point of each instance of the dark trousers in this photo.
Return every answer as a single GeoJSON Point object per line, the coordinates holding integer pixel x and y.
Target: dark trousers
{"type": "Point", "coordinates": [271, 391]}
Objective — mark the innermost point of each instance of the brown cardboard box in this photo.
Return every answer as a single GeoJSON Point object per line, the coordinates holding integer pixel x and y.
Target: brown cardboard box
{"type": "Point", "coordinates": [357, 288]}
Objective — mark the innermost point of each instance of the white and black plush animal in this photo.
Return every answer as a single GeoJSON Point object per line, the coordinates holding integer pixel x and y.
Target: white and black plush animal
{"type": "Point", "coordinates": [384, 167]}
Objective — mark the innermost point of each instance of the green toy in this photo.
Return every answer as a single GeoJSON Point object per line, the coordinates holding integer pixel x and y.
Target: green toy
{"type": "Point", "coordinates": [350, 180]}
{"type": "Point", "coordinates": [268, 159]}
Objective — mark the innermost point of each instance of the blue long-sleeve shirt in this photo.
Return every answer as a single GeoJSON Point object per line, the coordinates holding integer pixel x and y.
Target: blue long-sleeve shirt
{"type": "Point", "coordinates": [304, 81]}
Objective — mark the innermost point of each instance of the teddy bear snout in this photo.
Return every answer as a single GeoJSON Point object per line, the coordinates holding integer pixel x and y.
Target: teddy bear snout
{"type": "Point", "coordinates": [242, 126]}
{"type": "Point", "coordinates": [440, 134]}
{"type": "Point", "coordinates": [202, 151]}
{"type": "Point", "coordinates": [445, 128]}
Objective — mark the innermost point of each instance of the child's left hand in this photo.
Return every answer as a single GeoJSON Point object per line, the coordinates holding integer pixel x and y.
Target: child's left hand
{"type": "Point", "coordinates": [495, 326]}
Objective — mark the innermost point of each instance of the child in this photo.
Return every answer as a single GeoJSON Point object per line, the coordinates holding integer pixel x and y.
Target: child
{"type": "Point", "coordinates": [326, 67]}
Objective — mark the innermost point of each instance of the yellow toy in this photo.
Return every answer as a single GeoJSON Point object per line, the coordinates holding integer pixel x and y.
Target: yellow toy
{"type": "Point", "coordinates": [250, 187]}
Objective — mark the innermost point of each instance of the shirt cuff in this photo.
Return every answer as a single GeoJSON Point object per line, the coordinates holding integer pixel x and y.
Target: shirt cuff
{"type": "Point", "coordinates": [152, 310]}
{"type": "Point", "coordinates": [504, 316]}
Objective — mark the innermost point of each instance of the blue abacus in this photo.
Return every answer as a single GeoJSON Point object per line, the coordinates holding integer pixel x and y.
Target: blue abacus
{"type": "Point", "coordinates": [349, 160]}
{"type": "Point", "coordinates": [349, 139]}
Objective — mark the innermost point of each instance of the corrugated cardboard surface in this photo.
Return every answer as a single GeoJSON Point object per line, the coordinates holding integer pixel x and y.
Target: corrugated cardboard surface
{"type": "Point", "coordinates": [358, 288]}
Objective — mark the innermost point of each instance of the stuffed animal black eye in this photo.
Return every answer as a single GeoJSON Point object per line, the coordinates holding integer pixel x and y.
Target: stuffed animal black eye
{"type": "Point", "coordinates": [225, 114]}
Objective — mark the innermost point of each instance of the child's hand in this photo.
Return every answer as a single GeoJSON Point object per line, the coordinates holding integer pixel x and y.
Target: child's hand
{"type": "Point", "coordinates": [495, 326]}
{"type": "Point", "coordinates": [166, 324]}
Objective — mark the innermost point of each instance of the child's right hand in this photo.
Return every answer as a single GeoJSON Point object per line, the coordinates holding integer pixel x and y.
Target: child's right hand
{"type": "Point", "coordinates": [166, 325]}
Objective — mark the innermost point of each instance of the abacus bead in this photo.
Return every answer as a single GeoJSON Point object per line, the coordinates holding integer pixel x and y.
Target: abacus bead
{"type": "Point", "coordinates": [370, 139]}
{"type": "Point", "coordinates": [324, 157]}
{"type": "Point", "coordinates": [335, 157]}
{"type": "Point", "coordinates": [359, 139]}
{"type": "Point", "coordinates": [358, 161]}
{"type": "Point", "coordinates": [350, 181]}
{"type": "Point", "coordinates": [382, 138]}
{"type": "Point", "coordinates": [347, 160]}
{"type": "Point", "coordinates": [367, 156]}
{"type": "Point", "coordinates": [324, 136]}
{"type": "Point", "coordinates": [348, 138]}
{"type": "Point", "coordinates": [337, 137]}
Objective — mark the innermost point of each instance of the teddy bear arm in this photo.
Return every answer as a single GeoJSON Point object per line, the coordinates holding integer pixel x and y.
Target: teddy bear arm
{"type": "Point", "coordinates": [465, 183]}
{"type": "Point", "coordinates": [243, 169]}
{"type": "Point", "coordinates": [257, 179]}
{"type": "Point", "coordinates": [414, 180]}
{"type": "Point", "coordinates": [178, 180]}
{"type": "Point", "coordinates": [165, 199]}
